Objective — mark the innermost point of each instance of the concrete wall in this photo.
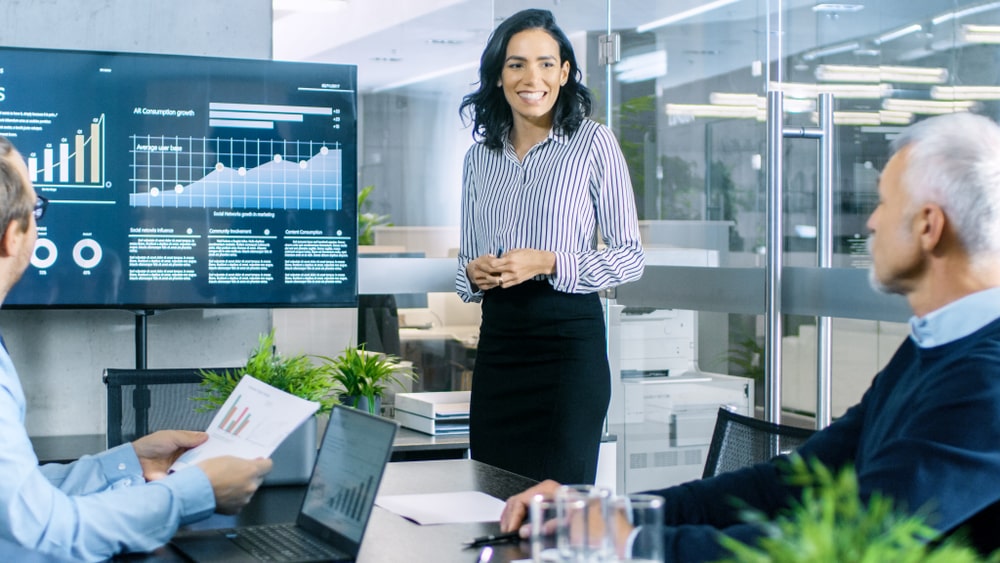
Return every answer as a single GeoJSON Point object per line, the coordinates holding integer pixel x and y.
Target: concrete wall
{"type": "Point", "coordinates": [60, 354]}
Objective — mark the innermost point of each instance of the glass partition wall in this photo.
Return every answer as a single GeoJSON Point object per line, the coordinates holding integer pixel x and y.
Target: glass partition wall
{"type": "Point", "coordinates": [687, 93]}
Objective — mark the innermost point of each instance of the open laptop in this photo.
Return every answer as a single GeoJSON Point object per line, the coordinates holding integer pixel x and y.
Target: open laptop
{"type": "Point", "coordinates": [334, 512]}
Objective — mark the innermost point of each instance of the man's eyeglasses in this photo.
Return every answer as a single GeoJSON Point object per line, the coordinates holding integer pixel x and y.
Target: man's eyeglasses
{"type": "Point", "coordinates": [41, 204]}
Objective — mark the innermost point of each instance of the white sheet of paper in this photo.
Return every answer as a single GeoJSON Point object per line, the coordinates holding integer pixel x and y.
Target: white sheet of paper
{"type": "Point", "coordinates": [252, 423]}
{"type": "Point", "coordinates": [444, 508]}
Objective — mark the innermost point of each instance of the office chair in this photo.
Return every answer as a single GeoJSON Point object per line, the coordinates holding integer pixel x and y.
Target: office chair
{"type": "Point", "coordinates": [141, 401]}
{"type": "Point", "coordinates": [741, 441]}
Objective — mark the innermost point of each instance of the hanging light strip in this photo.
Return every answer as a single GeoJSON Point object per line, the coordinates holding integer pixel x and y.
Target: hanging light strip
{"type": "Point", "coordinates": [894, 35]}
{"type": "Point", "coordinates": [965, 92]}
{"type": "Point", "coordinates": [928, 107]}
{"type": "Point", "coordinates": [849, 91]}
{"type": "Point", "coordinates": [988, 34]}
{"type": "Point", "coordinates": [737, 99]}
{"type": "Point", "coordinates": [686, 14]}
{"type": "Point", "coordinates": [711, 110]}
{"type": "Point", "coordinates": [882, 73]}
{"type": "Point", "coordinates": [957, 14]}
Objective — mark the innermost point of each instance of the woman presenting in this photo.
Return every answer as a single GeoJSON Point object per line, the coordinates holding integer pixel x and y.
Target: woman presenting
{"type": "Point", "coordinates": [540, 185]}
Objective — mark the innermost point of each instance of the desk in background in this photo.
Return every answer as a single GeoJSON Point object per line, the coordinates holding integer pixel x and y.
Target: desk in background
{"type": "Point", "coordinates": [391, 538]}
{"type": "Point", "coordinates": [411, 445]}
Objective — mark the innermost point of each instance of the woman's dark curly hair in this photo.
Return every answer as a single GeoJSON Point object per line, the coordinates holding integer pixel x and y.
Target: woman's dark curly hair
{"type": "Point", "coordinates": [488, 109]}
{"type": "Point", "coordinates": [15, 203]}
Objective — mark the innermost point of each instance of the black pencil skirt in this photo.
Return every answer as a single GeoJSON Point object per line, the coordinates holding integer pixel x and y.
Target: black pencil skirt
{"type": "Point", "coordinates": [541, 384]}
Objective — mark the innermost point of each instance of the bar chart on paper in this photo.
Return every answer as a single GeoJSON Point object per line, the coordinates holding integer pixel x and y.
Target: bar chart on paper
{"type": "Point", "coordinates": [252, 422]}
{"type": "Point", "coordinates": [244, 420]}
{"type": "Point", "coordinates": [234, 423]}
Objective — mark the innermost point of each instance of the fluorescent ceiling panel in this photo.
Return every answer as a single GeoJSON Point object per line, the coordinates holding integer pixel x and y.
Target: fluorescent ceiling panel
{"type": "Point", "coordinates": [927, 107]}
{"type": "Point", "coordinates": [882, 73]}
{"type": "Point", "coordinates": [680, 16]}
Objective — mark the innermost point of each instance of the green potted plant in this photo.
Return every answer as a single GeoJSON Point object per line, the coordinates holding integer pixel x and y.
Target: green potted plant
{"type": "Point", "coordinates": [297, 375]}
{"type": "Point", "coordinates": [363, 376]}
{"type": "Point", "coordinates": [833, 523]}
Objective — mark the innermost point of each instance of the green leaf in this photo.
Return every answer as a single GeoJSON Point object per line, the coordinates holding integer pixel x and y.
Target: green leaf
{"type": "Point", "coordinates": [296, 375]}
{"type": "Point", "coordinates": [831, 523]}
{"type": "Point", "coordinates": [359, 373]}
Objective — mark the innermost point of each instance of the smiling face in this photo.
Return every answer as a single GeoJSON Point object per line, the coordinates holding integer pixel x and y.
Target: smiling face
{"type": "Point", "coordinates": [532, 75]}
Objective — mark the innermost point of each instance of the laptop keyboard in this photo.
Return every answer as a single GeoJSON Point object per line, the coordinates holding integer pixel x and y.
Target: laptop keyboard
{"type": "Point", "coordinates": [282, 543]}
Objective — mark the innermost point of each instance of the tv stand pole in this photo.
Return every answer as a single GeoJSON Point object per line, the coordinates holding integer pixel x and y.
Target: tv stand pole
{"type": "Point", "coordinates": [140, 337]}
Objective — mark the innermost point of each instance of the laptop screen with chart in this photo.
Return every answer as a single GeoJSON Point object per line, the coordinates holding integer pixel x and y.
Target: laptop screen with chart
{"type": "Point", "coordinates": [185, 181]}
{"type": "Point", "coordinates": [341, 493]}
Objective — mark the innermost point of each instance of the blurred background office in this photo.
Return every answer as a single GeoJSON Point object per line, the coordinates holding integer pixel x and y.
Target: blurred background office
{"type": "Point", "coordinates": [684, 85]}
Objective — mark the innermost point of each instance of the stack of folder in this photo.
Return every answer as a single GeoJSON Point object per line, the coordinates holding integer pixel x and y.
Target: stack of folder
{"type": "Point", "coordinates": [437, 413]}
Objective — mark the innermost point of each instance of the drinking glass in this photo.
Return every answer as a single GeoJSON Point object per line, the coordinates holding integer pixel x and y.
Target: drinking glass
{"type": "Point", "coordinates": [544, 519]}
{"type": "Point", "coordinates": [582, 536]}
{"type": "Point", "coordinates": [635, 525]}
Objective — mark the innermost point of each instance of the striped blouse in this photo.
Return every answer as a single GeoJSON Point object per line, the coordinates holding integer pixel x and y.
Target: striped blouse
{"type": "Point", "coordinates": [566, 189]}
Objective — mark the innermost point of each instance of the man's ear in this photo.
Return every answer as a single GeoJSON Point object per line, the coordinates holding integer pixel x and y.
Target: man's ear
{"type": "Point", "coordinates": [931, 223]}
{"type": "Point", "coordinates": [11, 238]}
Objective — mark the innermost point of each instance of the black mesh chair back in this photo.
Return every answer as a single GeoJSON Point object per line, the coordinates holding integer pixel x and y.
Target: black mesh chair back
{"type": "Point", "coordinates": [741, 441]}
{"type": "Point", "coordinates": [141, 401]}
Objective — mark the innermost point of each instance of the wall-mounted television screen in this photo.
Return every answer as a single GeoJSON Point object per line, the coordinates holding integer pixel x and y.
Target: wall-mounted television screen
{"type": "Point", "coordinates": [185, 181]}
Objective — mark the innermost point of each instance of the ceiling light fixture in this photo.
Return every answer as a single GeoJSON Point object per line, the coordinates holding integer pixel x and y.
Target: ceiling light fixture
{"type": "Point", "coordinates": [901, 32]}
{"type": "Point", "coordinates": [958, 14]}
{"type": "Point", "coordinates": [832, 50]}
{"type": "Point", "coordinates": [928, 107]}
{"type": "Point", "coordinates": [854, 118]}
{"type": "Point", "coordinates": [865, 118]}
{"type": "Point", "coordinates": [679, 16]}
{"type": "Point", "coordinates": [891, 117]}
{"type": "Point", "coordinates": [792, 105]}
{"type": "Point", "coordinates": [646, 66]}
{"type": "Point", "coordinates": [737, 99]}
{"type": "Point", "coordinates": [980, 33]}
{"type": "Point", "coordinates": [838, 8]}
{"type": "Point", "coordinates": [849, 91]}
{"type": "Point", "coordinates": [711, 110]}
{"type": "Point", "coordinates": [965, 92]}
{"type": "Point", "coordinates": [882, 73]}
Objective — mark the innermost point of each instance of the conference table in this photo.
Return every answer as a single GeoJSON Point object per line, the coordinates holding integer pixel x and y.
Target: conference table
{"type": "Point", "coordinates": [391, 538]}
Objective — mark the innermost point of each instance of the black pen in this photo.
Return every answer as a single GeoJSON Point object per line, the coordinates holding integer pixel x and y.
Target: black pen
{"type": "Point", "coordinates": [493, 539]}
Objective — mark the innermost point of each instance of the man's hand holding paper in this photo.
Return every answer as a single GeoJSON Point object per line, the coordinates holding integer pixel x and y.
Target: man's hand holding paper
{"type": "Point", "coordinates": [252, 423]}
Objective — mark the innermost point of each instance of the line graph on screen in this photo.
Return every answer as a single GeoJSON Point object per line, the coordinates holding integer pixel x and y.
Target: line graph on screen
{"type": "Point", "coordinates": [236, 173]}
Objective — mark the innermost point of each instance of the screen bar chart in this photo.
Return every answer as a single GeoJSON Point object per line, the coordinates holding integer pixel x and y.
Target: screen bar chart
{"type": "Point", "coordinates": [58, 167]}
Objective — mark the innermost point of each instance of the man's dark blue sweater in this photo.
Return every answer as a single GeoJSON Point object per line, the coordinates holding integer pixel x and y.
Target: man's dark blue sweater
{"type": "Point", "coordinates": [926, 433]}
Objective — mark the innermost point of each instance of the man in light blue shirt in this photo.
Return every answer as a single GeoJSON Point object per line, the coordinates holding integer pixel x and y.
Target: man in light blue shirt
{"type": "Point", "coordinates": [118, 501]}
